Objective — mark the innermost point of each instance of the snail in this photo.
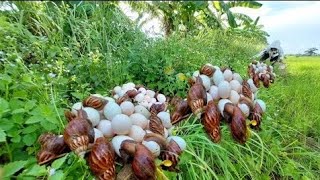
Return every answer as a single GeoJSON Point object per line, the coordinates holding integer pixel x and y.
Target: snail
{"type": "Point", "coordinates": [155, 124]}
{"type": "Point", "coordinates": [173, 150]}
{"type": "Point", "coordinates": [101, 160]}
{"type": "Point", "coordinates": [52, 147]}
{"type": "Point", "coordinates": [94, 102]}
{"type": "Point", "coordinates": [197, 97]}
{"type": "Point", "coordinates": [207, 70]}
{"type": "Point", "coordinates": [238, 126]}
{"type": "Point", "coordinates": [211, 121]}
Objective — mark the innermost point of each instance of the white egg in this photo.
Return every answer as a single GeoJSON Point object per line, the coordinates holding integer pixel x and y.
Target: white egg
{"type": "Point", "coordinates": [224, 89]}
{"type": "Point", "coordinates": [142, 90]}
{"type": "Point", "coordinates": [117, 141]}
{"type": "Point", "coordinates": [97, 134]}
{"type": "Point", "coordinates": [181, 142]}
{"type": "Point", "coordinates": [93, 115]}
{"type": "Point", "coordinates": [127, 108]}
{"type": "Point", "coordinates": [76, 106]}
{"type": "Point", "coordinates": [148, 132]}
{"type": "Point", "coordinates": [227, 74]}
{"type": "Point", "coordinates": [234, 97]}
{"type": "Point", "coordinates": [139, 120]}
{"type": "Point", "coordinates": [209, 97]}
{"type": "Point", "coordinates": [161, 98]}
{"type": "Point", "coordinates": [97, 95]}
{"type": "Point", "coordinates": [109, 99]}
{"type": "Point", "coordinates": [121, 93]}
{"type": "Point", "coordinates": [144, 103]}
{"type": "Point", "coordinates": [217, 77]}
{"type": "Point", "coordinates": [131, 85]}
{"type": "Point", "coordinates": [165, 119]}
{"type": "Point", "coordinates": [245, 109]}
{"type": "Point", "coordinates": [262, 104]}
{"type": "Point", "coordinates": [139, 97]}
{"type": "Point", "coordinates": [196, 74]}
{"type": "Point", "coordinates": [142, 110]}
{"type": "Point", "coordinates": [153, 100]}
{"type": "Point", "coordinates": [235, 85]}
{"type": "Point", "coordinates": [205, 81]}
{"type": "Point", "coordinates": [214, 92]}
{"type": "Point", "coordinates": [237, 77]}
{"type": "Point", "coordinates": [117, 89]}
{"type": "Point", "coordinates": [221, 105]}
{"type": "Point", "coordinates": [150, 93]}
{"type": "Point", "coordinates": [217, 68]}
{"type": "Point", "coordinates": [105, 127]}
{"type": "Point", "coordinates": [121, 124]}
{"type": "Point", "coordinates": [147, 98]}
{"type": "Point", "coordinates": [252, 86]}
{"type": "Point", "coordinates": [137, 133]}
{"type": "Point", "coordinates": [153, 147]}
{"type": "Point", "coordinates": [111, 109]}
{"type": "Point", "coordinates": [166, 133]}
{"type": "Point", "coordinates": [149, 106]}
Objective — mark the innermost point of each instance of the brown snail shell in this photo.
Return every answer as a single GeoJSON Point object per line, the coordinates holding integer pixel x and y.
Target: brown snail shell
{"type": "Point", "coordinates": [101, 160]}
{"type": "Point", "coordinates": [238, 126]}
{"type": "Point", "coordinates": [247, 101]}
{"type": "Point", "coordinates": [78, 134]}
{"type": "Point", "coordinates": [246, 91]}
{"type": "Point", "coordinates": [181, 111]}
{"type": "Point", "coordinates": [69, 115]}
{"type": "Point", "coordinates": [256, 80]}
{"type": "Point", "coordinates": [171, 153]}
{"type": "Point", "coordinates": [132, 93]}
{"type": "Point", "coordinates": [250, 71]}
{"type": "Point", "coordinates": [197, 97]}
{"type": "Point", "coordinates": [265, 80]}
{"type": "Point", "coordinates": [122, 99]}
{"type": "Point", "coordinates": [160, 140]}
{"type": "Point", "coordinates": [207, 70]}
{"type": "Point", "coordinates": [156, 108]}
{"type": "Point", "coordinates": [143, 164]}
{"type": "Point", "coordinates": [211, 121]}
{"type": "Point", "coordinates": [94, 102]}
{"type": "Point", "coordinates": [256, 115]}
{"type": "Point", "coordinates": [52, 147]}
{"type": "Point", "coordinates": [155, 124]}
{"type": "Point", "coordinates": [228, 112]}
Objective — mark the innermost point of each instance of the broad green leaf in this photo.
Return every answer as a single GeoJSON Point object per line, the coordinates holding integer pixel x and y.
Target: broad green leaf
{"type": "Point", "coordinates": [2, 136]}
{"type": "Point", "coordinates": [13, 167]}
{"type": "Point", "coordinates": [17, 111]}
{"type": "Point", "coordinates": [57, 163]}
{"type": "Point", "coordinates": [4, 105]}
{"type": "Point", "coordinates": [5, 78]}
{"type": "Point", "coordinates": [16, 139]}
{"type": "Point", "coordinates": [34, 119]}
{"type": "Point", "coordinates": [57, 175]}
{"type": "Point", "coordinates": [37, 171]}
{"type": "Point", "coordinates": [30, 129]}
{"type": "Point", "coordinates": [29, 139]}
{"type": "Point", "coordinates": [30, 104]}
{"type": "Point", "coordinates": [6, 124]}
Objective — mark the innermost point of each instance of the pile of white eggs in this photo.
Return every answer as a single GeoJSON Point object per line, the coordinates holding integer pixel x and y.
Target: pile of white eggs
{"type": "Point", "coordinates": [262, 68]}
{"type": "Point", "coordinates": [130, 119]}
{"type": "Point", "coordinates": [226, 87]}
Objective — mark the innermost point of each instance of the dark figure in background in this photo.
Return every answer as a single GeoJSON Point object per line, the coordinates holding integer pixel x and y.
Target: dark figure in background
{"type": "Point", "coordinates": [273, 52]}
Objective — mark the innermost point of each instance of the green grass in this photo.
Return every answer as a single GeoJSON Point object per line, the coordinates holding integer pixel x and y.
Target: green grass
{"type": "Point", "coordinates": [288, 145]}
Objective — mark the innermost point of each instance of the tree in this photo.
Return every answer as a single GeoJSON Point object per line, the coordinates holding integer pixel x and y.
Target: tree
{"type": "Point", "coordinates": [311, 51]}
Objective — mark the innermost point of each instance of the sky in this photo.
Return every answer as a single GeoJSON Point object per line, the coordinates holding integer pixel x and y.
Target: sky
{"type": "Point", "coordinates": [295, 23]}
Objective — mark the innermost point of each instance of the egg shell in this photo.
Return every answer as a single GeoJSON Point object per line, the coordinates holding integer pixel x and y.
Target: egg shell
{"type": "Point", "coordinates": [214, 92]}
{"type": "Point", "coordinates": [142, 90]}
{"type": "Point", "coordinates": [227, 74]}
{"type": "Point", "coordinates": [139, 120]}
{"type": "Point", "coordinates": [137, 133]}
{"type": "Point", "coordinates": [105, 127]}
{"type": "Point", "coordinates": [97, 95]}
{"type": "Point", "coordinates": [245, 109]}
{"type": "Point", "coordinates": [116, 96]}
{"type": "Point", "coordinates": [144, 103]}
{"type": "Point", "coordinates": [181, 142]}
{"type": "Point", "coordinates": [109, 99]}
{"type": "Point", "coordinates": [147, 98]}
{"type": "Point", "coordinates": [196, 73]}
{"type": "Point", "coordinates": [117, 89]}
{"type": "Point", "coordinates": [252, 86]}
{"type": "Point", "coordinates": [262, 104]}
{"type": "Point", "coordinates": [97, 134]}
{"type": "Point", "coordinates": [131, 85]}
{"type": "Point", "coordinates": [235, 85]}
{"type": "Point", "coordinates": [217, 77]}
{"type": "Point", "coordinates": [127, 108]}
{"type": "Point", "coordinates": [139, 97]}
{"type": "Point", "coordinates": [117, 141]}
{"type": "Point", "coordinates": [75, 107]}
{"type": "Point", "coordinates": [221, 104]}
{"type": "Point", "coordinates": [150, 93]}
{"type": "Point", "coordinates": [166, 133]}
{"type": "Point", "coordinates": [205, 81]}
{"type": "Point", "coordinates": [93, 115]}
{"type": "Point", "coordinates": [224, 89]}
{"type": "Point", "coordinates": [122, 92]}
{"type": "Point", "coordinates": [153, 147]}
{"type": "Point", "coordinates": [161, 98]}
{"type": "Point", "coordinates": [142, 110]}
{"type": "Point", "coordinates": [165, 119]}
{"type": "Point", "coordinates": [148, 131]}
{"type": "Point", "coordinates": [111, 109]}
{"type": "Point", "coordinates": [234, 97]}
{"type": "Point", "coordinates": [121, 124]}
{"type": "Point", "coordinates": [153, 100]}
{"type": "Point", "coordinates": [209, 97]}
{"type": "Point", "coordinates": [237, 77]}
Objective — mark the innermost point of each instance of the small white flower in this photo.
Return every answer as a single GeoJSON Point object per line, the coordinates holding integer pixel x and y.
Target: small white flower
{"type": "Point", "coordinates": [52, 172]}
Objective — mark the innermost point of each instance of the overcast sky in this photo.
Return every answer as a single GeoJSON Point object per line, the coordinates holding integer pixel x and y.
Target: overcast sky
{"type": "Point", "coordinates": [296, 24]}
